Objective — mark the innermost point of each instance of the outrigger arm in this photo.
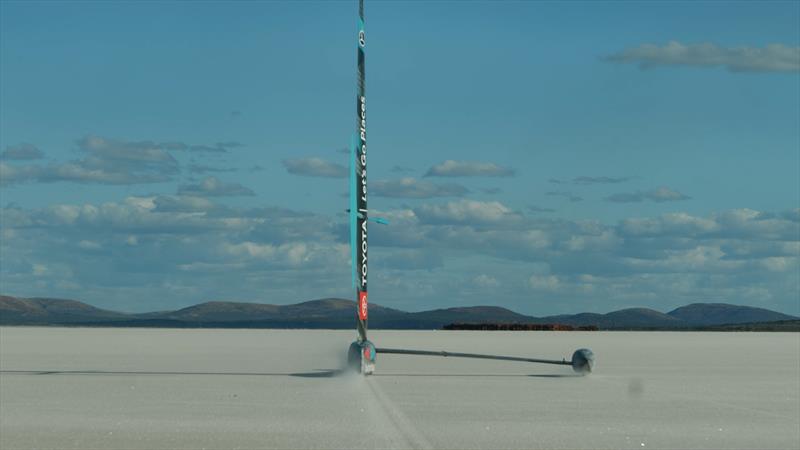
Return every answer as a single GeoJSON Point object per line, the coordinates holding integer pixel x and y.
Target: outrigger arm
{"type": "Point", "coordinates": [582, 360]}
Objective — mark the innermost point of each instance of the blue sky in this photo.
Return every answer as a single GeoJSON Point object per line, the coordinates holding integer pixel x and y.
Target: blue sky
{"type": "Point", "coordinates": [547, 157]}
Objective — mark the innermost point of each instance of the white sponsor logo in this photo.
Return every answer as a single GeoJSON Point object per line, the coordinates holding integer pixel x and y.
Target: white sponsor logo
{"type": "Point", "coordinates": [363, 161]}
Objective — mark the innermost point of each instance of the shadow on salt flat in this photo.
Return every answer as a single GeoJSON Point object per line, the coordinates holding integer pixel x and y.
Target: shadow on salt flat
{"type": "Point", "coordinates": [318, 373]}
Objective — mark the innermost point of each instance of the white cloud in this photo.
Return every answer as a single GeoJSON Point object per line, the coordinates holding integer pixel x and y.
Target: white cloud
{"type": "Point", "coordinates": [779, 263]}
{"type": "Point", "coordinates": [701, 258]}
{"type": "Point", "coordinates": [203, 168]}
{"type": "Point", "coordinates": [413, 188]}
{"type": "Point", "coordinates": [465, 211]}
{"type": "Point", "coordinates": [293, 253]}
{"type": "Point", "coordinates": [185, 249]}
{"type": "Point", "coordinates": [23, 151]}
{"type": "Point", "coordinates": [214, 187]}
{"type": "Point", "coordinates": [182, 203]}
{"type": "Point", "coordinates": [539, 209]}
{"type": "Point", "coordinates": [105, 161]}
{"type": "Point", "coordinates": [451, 168]}
{"type": "Point", "coordinates": [409, 259]}
{"type": "Point", "coordinates": [771, 58]}
{"type": "Point", "coordinates": [485, 281]}
{"type": "Point", "coordinates": [39, 270]}
{"type": "Point", "coordinates": [681, 224]}
{"type": "Point", "coordinates": [567, 195]}
{"type": "Point", "coordinates": [544, 282]}
{"type": "Point", "coordinates": [315, 167]}
{"type": "Point", "coordinates": [658, 195]}
{"type": "Point", "coordinates": [89, 245]}
{"type": "Point", "coordinates": [587, 180]}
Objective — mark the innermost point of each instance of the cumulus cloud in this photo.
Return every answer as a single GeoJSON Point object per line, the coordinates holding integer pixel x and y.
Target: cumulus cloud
{"type": "Point", "coordinates": [315, 167]}
{"type": "Point", "coordinates": [544, 282]}
{"type": "Point", "coordinates": [410, 259]}
{"type": "Point", "coordinates": [465, 211]}
{"type": "Point", "coordinates": [230, 144]}
{"type": "Point", "coordinates": [539, 209]}
{"type": "Point", "coordinates": [451, 168]}
{"type": "Point", "coordinates": [413, 188]}
{"type": "Point", "coordinates": [76, 172]}
{"type": "Point", "coordinates": [739, 224]}
{"type": "Point", "coordinates": [180, 248]}
{"type": "Point", "coordinates": [771, 58]}
{"type": "Point", "coordinates": [202, 168]}
{"type": "Point", "coordinates": [292, 254]}
{"type": "Point", "coordinates": [173, 145]}
{"type": "Point", "coordinates": [14, 174]}
{"type": "Point", "coordinates": [672, 224]}
{"type": "Point", "coordinates": [658, 195]}
{"type": "Point", "coordinates": [107, 152]}
{"type": "Point", "coordinates": [108, 161]}
{"type": "Point", "coordinates": [105, 161]}
{"type": "Point", "coordinates": [182, 203]}
{"type": "Point", "coordinates": [586, 180]}
{"type": "Point", "coordinates": [219, 147]}
{"type": "Point", "coordinates": [485, 281]}
{"type": "Point", "coordinates": [567, 195]}
{"type": "Point", "coordinates": [207, 148]}
{"type": "Point", "coordinates": [758, 224]}
{"type": "Point", "coordinates": [146, 253]}
{"type": "Point", "coordinates": [23, 151]}
{"type": "Point", "coordinates": [401, 169]}
{"type": "Point", "coordinates": [599, 180]}
{"type": "Point", "coordinates": [791, 214]}
{"type": "Point", "coordinates": [214, 187]}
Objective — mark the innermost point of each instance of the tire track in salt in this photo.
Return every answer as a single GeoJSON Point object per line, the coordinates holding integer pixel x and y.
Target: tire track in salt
{"type": "Point", "coordinates": [393, 418]}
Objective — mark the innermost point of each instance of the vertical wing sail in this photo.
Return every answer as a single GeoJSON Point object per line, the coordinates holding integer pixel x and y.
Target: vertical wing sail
{"type": "Point", "coordinates": [358, 211]}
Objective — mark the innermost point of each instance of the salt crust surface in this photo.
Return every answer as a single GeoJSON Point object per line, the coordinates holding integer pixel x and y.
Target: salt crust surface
{"type": "Point", "coordinates": [102, 388]}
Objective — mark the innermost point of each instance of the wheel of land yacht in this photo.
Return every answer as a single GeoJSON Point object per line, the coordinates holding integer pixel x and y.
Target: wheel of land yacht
{"type": "Point", "coordinates": [583, 361]}
{"type": "Point", "coordinates": [361, 357]}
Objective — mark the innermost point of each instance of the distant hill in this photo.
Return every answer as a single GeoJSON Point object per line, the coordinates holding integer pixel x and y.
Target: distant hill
{"type": "Point", "coordinates": [437, 318]}
{"type": "Point", "coordinates": [323, 313]}
{"type": "Point", "coordinates": [50, 310]}
{"type": "Point", "coordinates": [339, 313]}
{"type": "Point", "coordinates": [699, 314]}
{"type": "Point", "coordinates": [624, 318]}
{"type": "Point", "coordinates": [781, 325]}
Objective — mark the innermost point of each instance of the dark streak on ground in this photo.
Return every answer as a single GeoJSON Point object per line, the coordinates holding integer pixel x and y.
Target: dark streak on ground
{"type": "Point", "coordinates": [321, 373]}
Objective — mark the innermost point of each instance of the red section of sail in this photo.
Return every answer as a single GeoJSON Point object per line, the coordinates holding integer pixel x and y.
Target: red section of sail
{"type": "Point", "coordinates": [362, 305]}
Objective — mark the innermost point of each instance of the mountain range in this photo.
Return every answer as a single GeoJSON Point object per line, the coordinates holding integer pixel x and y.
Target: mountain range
{"type": "Point", "coordinates": [333, 313]}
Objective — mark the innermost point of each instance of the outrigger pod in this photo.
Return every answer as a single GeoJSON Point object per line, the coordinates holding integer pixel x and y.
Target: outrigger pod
{"type": "Point", "coordinates": [361, 354]}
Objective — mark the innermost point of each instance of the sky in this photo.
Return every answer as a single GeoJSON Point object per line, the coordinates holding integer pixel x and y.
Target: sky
{"type": "Point", "coordinates": [547, 157]}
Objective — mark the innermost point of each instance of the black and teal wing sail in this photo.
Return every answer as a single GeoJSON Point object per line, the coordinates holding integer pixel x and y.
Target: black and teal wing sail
{"type": "Point", "coordinates": [358, 186]}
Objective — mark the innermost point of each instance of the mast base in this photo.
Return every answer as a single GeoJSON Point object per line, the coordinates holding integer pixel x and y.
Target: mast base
{"type": "Point", "coordinates": [361, 357]}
